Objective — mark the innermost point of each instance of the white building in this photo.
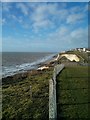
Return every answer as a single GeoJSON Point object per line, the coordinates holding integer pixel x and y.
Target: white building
{"type": "Point", "coordinates": [84, 49]}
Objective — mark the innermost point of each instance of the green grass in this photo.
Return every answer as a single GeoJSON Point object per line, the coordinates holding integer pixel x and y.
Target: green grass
{"type": "Point", "coordinates": [72, 93]}
{"type": "Point", "coordinates": [17, 101]}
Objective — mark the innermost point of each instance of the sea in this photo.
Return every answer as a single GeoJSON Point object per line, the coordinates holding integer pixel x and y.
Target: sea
{"type": "Point", "coordinates": [17, 62]}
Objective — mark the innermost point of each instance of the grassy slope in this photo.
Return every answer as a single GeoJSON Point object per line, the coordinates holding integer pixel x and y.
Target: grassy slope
{"type": "Point", "coordinates": [73, 89]}
{"type": "Point", "coordinates": [72, 92]}
{"type": "Point", "coordinates": [17, 102]}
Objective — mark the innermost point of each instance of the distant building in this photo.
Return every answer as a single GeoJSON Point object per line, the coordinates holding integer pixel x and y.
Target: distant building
{"type": "Point", "coordinates": [84, 49]}
{"type": "Point", "coordinates": [87, 51]}
{"type": "Point", "coordinates": [79, 49]}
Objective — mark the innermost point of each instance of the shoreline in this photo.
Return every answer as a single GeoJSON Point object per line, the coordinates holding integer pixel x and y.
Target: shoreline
{"type": "Point", "coordinates": [23, 92]}
{"type": "Point", "coordinates": [39, 67]}
{"type": "Point", "coordinates": [24, 74]}
{"type": "Point", "coordinates": [33, 67]}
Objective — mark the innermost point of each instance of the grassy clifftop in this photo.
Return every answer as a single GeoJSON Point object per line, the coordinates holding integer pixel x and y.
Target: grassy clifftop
{"type": "Point", "coordinates": [28, 97]}
{"type": "Point", "coordinates": [73, 93]}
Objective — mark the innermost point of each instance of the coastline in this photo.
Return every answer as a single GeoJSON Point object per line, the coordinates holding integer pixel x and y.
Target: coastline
{"type": "Point", "coordinates": [25, 67]}
{"type": "Point", "coordinates": [27, 94]}
{"type": "Point", "coordinates": [24, 94]}
{"type": "Point", "coordinates": [25, 74]}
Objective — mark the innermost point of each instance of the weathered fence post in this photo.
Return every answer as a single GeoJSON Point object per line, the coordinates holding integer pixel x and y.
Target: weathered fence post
{"type": "Point", "coordinates": [51, 100]}
{"type": "Point", "coordinates": [52, 93]}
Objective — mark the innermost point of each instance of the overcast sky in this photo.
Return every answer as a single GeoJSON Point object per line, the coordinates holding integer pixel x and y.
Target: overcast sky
{"type": "Point", "coordinates": [44, 27]}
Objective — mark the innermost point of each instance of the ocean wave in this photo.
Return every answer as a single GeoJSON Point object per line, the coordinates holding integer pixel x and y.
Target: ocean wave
{"type": "Point", "coordinates": [12, 70]}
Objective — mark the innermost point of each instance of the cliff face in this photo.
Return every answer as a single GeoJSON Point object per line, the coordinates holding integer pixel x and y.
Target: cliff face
{"type": "Point", "coordinates": [71, 57]}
